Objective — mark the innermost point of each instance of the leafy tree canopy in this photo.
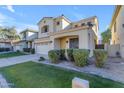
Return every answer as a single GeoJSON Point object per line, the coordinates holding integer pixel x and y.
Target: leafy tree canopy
{"type": "Point", "coordinates": [106, 36]}
{"type": "Point", "coordinates": [9, 33]}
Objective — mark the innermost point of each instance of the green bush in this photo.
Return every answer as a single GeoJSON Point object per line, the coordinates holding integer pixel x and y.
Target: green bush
{"type": "Point", "coordinates": [32, 51]}
{"type": "Point", "coordinates": [80, 56]}
{"type": "Point", "coordinates": [100, 56]}
{"type": "Point", "coordinates": [70, 54]}
{"type": "Point", "coordinates": [27, 50]}
{"type": "Point", "coordinates": [54, 56]}
{"type": "Point", "coordinates": [41, 59]}
{"type": "Point", "coordinates": [18, 51]}
{"type": "Point", "coordinates": [62, 54]}
{"type": "Point", "coordinates": [4, 49]}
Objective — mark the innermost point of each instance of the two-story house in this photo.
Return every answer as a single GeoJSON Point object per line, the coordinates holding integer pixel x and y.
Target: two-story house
{"type": "Point", "coordinates": [117, 29]}
{"type": "Point", "coordinates": [61, 33]}
{"type": "Point", "coordinates": [27, 39]}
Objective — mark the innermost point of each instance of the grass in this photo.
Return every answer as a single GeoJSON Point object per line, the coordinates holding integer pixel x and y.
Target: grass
{"type": "Point", "coordinates": [11, 54]}
{"type": "Point", "coordinates": [37, 75]}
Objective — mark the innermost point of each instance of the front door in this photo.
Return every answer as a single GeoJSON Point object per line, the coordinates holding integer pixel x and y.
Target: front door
{"type": "Point", "coordinates": [74, 43]}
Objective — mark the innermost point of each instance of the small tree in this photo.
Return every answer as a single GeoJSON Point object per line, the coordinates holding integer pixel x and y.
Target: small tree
{"type": "Point", "coordinates": [106, 36]}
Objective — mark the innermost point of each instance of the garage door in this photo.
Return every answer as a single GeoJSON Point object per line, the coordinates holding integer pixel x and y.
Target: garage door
{"type": "Point", "coordinates": [17, 48]}
{"type": "Point", "coordinates": [42, 48]}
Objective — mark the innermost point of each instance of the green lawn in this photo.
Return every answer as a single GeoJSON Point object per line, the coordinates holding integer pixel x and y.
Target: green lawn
{"type": "Point", "coordinates": [32, 74]}
{"type": "Point", "coordinates": [11, 54]}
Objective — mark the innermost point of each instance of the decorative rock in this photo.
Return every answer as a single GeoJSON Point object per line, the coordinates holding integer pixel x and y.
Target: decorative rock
{"type": "Point", "coordinates": [79, 83]}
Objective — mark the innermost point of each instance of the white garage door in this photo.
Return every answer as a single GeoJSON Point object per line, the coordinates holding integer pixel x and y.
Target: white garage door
{"type": "Point", "coordinates": [42, 48]}
{"type": "Point", "coordinates": [17, 48]}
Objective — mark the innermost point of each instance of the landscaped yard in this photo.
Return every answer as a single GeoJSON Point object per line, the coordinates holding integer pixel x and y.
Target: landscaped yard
{"type": "Point", "coordinates": [32, 74]}
{"type": "Point", "coordinates": [11, 54]}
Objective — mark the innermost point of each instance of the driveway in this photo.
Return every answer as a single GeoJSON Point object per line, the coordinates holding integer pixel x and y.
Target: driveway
{"type": "Point", "coordinates": [16, 60]}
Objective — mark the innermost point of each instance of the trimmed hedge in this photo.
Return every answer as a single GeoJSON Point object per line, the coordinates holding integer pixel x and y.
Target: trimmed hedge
{"type": "Point", "coordinates": [100, 56]}
{"type": "Point", "coordinates": [27, 49]}
{"type": "Point", "coordinates": [80, 56]}
{"type": "Point", "coordinates": [4, 49]}
{"type": "Point", "coordinates": [54, 56]}
{"type": "Point", "coordinates": [62, 54]}
{"type": "Point", "coordinates": [32, 51]}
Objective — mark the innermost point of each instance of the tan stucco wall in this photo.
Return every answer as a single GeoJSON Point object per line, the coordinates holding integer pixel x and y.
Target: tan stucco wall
{"type": "Point", "coordinates": [48, 22]}
{"type": "Point", "coordinates": [118, 36]}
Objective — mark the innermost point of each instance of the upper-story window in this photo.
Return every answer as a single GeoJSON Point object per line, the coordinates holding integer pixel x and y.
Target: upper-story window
{"type": "Point", "coordinates": [89, 24]}
{"type": "Point", "coordinates": [44, 29]}
{"type": "Point", "coordinates": [57, 23]}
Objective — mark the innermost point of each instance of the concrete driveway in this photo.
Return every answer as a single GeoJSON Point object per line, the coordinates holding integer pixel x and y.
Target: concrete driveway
{"type": "Point", "coordinates": [19, 59]}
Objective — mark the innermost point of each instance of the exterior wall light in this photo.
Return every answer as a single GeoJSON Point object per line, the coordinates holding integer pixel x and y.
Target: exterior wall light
{"type": "Point", "coordinates": [51, 41]}
{"type": "Point", "coordinates": [66, 41]}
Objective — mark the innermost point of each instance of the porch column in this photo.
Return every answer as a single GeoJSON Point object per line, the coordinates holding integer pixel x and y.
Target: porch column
{"type": "Point", "coordinates": [52, 44]}
{"type": "Point", "coordinates": [28, 44]}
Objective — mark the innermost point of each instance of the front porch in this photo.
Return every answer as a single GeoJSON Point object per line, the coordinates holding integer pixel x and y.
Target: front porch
{"type": "Point", "coordinates": [66, 42]}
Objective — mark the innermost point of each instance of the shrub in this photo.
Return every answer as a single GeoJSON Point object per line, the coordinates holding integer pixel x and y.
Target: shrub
{"type": "Point", "coordinates": [41, 59]}
{"type": "Point", "coordinates": [33, 51]}
{"type": "Point", "coordinates": [53, 56]}
{"type": "Point", "coordinates": [69, 55]}
{"type": "Point", "coordinates": [27, 49]}
{"type": "Point", "coordinates": [100, 56]}
{"type": "Point", "coordinates": [80, 56]}
{"type": "Point", "coordinates": [62, 54]}
{"type": "Point", "coordinates": [7, 49]}
{"type": "Point", "coordinates": [4, 49]}
{"type": "Point", "coordinates": [18, 51]}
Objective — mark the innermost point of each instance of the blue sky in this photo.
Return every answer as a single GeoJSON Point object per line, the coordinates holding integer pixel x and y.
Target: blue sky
{"type": "Point", "coordinates": [28, 15]}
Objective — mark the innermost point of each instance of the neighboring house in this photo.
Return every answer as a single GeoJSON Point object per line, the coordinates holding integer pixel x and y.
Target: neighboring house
{"type": "Point", "coordinates": [5, 43]}
{"type": "Point", "coordinates": [61, 33]}
{"type": "Point", "coordinates": [27, 40]}
{"type": "Point", "coordinates": [117, 29]}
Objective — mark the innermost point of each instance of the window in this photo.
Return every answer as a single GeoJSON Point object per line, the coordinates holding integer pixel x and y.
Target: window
{"type": "Point", "coordinates": [58, 23]}
{"type": "Point", "coordinates": [115, 27]}
{"type": "Point", "coordinates": [83, 24]}
{"type": "Point", "coordinates": [123, 25]}
{"type": "Point", "coordinates": [74, 43]}
{"type": "Point", "coordinates": [44, 29]}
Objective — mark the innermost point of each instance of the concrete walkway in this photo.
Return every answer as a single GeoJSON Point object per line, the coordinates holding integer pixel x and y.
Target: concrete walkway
{"type": "Point", "coordinates": [113, 69]}
{"type": "Point", "coordinates": [19, 59]}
